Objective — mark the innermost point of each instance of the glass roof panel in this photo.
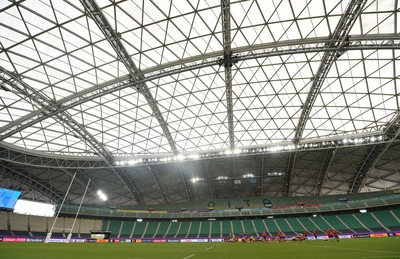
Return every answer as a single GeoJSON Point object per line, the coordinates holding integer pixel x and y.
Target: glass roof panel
{"type": "Point", "coordinates": [58, 49]}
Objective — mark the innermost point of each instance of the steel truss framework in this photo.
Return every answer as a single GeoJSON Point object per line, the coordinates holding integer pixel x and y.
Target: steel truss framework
{"type": "Point", "coordinates": [104, 29]}
{"type": "Point", "coordinates": [374, 154]}
{"type": "Point", "coordinates": [338, 41]}
{"type": "Point", "coordinates": [316, 45]}
{"type": "Point", "coordinates": [24, 178]}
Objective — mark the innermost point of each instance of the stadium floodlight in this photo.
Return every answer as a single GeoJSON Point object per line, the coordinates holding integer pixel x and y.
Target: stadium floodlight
{"type": "Point", "coordinates": [196, 179]}
{"type": "Point", "coordinates": [139, 220]}
{"type": "Point", "coordinates": [236, 151]}
{"type": "Point", "coordinates": [248, 175]}
{"type": "Point", "coordinates": [270, 217]}
{"type": "Point", "coordinates": [314, 215]}
{"type": "Point", "coordinates": [363, 211]}
{"type": "Point", "coordinates": [174, 220]}
{"type": "Point", "coordinates": [222, 178]}
{"type": "Point", "coordinates": [211, 219]}
{"type": "Point", "coordinates": [101, 195]}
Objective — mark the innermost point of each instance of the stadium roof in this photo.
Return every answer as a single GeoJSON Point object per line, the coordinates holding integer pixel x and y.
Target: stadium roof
{"type": "Point", "coordinates": [87, 85]}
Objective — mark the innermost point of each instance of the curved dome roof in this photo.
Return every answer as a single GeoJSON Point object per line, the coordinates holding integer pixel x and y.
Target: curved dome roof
{"type": "Point", "coordinates": [60, 50]}
{"type": "Point", "coordinates": [111, 79]}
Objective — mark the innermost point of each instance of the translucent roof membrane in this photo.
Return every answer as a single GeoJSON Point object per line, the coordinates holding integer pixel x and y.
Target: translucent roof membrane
{"type": "Point", "coordinates": [58, 50]}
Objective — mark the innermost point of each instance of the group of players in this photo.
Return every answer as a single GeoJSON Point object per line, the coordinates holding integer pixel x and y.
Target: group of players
{"type": "Point", "coordinates": [280, 237]}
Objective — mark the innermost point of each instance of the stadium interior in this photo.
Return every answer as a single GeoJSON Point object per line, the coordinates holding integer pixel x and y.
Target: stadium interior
{"type": "Point", "coordinates": [199, 120]}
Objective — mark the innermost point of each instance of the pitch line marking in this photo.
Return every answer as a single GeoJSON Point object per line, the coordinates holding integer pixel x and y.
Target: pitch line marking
{"type": "Point", "coordinates": [209, 248]}
{"type": "Point", "coordinates": [188, 256]}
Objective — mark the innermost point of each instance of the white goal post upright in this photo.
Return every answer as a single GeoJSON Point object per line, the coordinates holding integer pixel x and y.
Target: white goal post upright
{"type": "Point", "coordinates": [76, 216]}
{"type": "Point", "coordinates": [47, 239]}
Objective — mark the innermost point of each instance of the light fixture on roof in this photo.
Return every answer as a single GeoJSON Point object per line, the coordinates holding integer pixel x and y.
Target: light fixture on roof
{"type": "Point", "coordinates": [228, 152]}
{"type": "Point", "coordinates": [347, 141]}
{"type": "Point", "coordinates": [101, 195]}
{"type": "Point", "coordinates": [236, 151]}
{"type": "Point", "coordinates": [196, 179]}
{"type": "Point", "coordinates": [363, 211]}
{"type": "Point", "coordinates": [248, 175]}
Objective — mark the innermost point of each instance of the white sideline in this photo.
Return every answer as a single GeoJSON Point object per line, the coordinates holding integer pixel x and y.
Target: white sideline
{"type": "Point", "coordinates": [188, 256]}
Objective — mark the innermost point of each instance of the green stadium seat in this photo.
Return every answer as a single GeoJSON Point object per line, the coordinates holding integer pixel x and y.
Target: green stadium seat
{"type": "Point", "coordinates": [138, 229]}
{"type": "Point", "coordinates": [194, 229]}
{"type": "Point", "coordinates": [297, 227]}
{"type": "Point", "coordinates": [336, 223]}
{"type": "Point", "coordinates": [237, 227]}
{"type": "Point", "coordinates": [387, 219]}
{"type": "Point", "coordinates": [114, 227]}
{"type": "Point", "coordinates": [226, 228]}
{"type": "Point", "coordinates": [151, 229]}
{"type": "Point", "coordinates": [272, 227]}
{"type": "Point", "coordinates": [215, 228]}
{"type": "Point", "coordinates": [126, 230]}
{"type": "Point", "coordinates": [284, 226]}
{"type": "Point", "coordinates": [248, 227]}
{"type": "Point", "coordinates": [205, 228]}
{"type": "Point", "coordinates": [162, 229]}
{"type": "Point", "coordinates": [369, 221]}
{"type": "Point", "coordinates": [173, 229]}
{"type": "Point", "coordinates": [350, 221]}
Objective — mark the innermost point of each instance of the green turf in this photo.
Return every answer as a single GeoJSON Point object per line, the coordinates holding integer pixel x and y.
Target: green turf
{"type": "Point", "coordinates": [346, 248]}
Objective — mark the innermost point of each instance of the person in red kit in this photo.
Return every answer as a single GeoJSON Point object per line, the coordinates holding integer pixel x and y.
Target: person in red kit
{"type": "Point", "coordinates": [281, 236]}
{"type": "Point", "coordinates": [305, 235]}
{"type": "Point", "coordinates": [329, 233]}
{"type": "Point", "coordinates": [315, 234]}
{"type": "Point", "coordinates": [264, 236]}
{"type": "Point", "coordinates": [335, 234]}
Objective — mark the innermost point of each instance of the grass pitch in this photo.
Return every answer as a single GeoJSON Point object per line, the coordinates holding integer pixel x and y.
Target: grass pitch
{"type": "Point", "coordinates": [369, 248]}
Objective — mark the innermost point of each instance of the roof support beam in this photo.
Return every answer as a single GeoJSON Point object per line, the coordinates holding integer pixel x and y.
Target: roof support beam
{"type": "Point", "coordinates": [124, 176]}
{"type": "Point", "coordinates": [374, 154]}
{"type": "Point", "coordinates": [81, 178]}
{"type": "Point", "coordinates": [185, 183]}
{"type": "Point", "coordinates": [235, 186]}
{"type": "Point", "coordinates": [227, 61]}
{"type": "Point", "coordinates": [49, 107]}
{"type": "Point", "coordinates": [136, 76]}
{"type": "Point", "coordinates": [261, 186]}
{"type": "Point", "coordinates": [23, 178]}
{"type": "Point", "coordinates": [159, 184]}
{"type": "Point", "coordinates": [21, 156]}
{"type": "Point", "coordinates": [289, 172]}
{"type": "Point", "coordinates": [338, 40]}
{"type": "Point", "coordinates": [210, 181]}
{"type": "Point", "coordinates": [367, 42]}
{"type": "Point", "coordinates": [326, 163]}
